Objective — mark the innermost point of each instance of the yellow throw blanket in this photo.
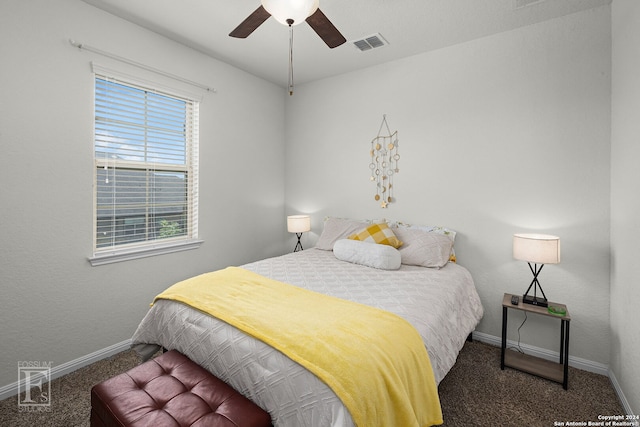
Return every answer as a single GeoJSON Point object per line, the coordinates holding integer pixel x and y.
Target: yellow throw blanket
{"type": "Point", "coordinates": [373, 360]}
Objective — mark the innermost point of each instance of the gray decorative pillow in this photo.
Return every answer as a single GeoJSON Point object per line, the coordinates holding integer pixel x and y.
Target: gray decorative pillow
{"type": "Point", "coordinates": [423, 248]}
{"type": "Point", "coordinates": [338, 228]}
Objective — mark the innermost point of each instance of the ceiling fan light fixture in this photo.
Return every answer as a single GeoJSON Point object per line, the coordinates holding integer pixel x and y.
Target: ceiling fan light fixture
{"type": "Point", "coordinates": [285, 10]}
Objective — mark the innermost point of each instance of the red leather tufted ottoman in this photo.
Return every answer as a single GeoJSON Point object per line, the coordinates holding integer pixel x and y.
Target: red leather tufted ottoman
{"type": "Point", "coordinates": [171, 390]}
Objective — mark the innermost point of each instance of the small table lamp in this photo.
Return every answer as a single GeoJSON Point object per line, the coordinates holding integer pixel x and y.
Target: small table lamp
{"type": "Point", "coordinates": [298, 224]}
{"type": "Point", "coordinates": [537, 249]}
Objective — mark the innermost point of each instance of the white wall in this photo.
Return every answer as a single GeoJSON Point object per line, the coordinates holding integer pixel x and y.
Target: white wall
{"type": "Point", "coordinates": [504, 134]}
{"type": "Point", "coordinates": [53, 305]}
{"type": "Point", "coordinates": [625, 200]}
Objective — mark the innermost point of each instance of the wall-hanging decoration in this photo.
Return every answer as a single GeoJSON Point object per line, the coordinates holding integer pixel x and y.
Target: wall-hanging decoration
{"type": "Point", "coordinates": [384, 163]}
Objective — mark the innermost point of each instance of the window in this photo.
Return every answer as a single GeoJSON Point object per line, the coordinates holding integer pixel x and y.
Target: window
{"type": "Point", "coordinates": [146, 163]}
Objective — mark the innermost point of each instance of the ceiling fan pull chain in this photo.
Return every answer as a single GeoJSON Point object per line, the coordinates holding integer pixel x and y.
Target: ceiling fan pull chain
{"type": "Point", "coordinates": [290, 22]}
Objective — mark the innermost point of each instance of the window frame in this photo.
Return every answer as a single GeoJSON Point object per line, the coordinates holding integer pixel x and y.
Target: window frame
{"type": "Point", "coordinates": [156, 246]}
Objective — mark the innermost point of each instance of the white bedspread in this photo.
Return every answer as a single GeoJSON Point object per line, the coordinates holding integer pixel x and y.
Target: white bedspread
{"type": "Point", "coordinates": [442, 305]}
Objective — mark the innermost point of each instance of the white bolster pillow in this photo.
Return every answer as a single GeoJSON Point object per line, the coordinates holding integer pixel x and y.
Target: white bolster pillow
{"type": "Point", "coordinates": [374, 255]}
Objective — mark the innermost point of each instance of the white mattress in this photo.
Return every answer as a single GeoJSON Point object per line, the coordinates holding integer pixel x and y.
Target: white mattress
{"type": "Point", "coordinates": [442, 305]}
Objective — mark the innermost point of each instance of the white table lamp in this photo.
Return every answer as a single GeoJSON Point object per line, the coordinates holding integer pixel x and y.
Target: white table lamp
{"type": "Point", "coordinates": [298, 224]}
{"type": "Point", "coordinates": [539, 249]}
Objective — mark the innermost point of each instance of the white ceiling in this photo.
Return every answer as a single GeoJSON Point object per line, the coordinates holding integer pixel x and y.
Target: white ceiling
{"type": "Point", "coordinates": [410, 27]}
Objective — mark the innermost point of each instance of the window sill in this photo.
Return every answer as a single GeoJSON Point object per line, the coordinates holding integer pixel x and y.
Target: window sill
{"type": "Point", "coordinates": [118, 255]}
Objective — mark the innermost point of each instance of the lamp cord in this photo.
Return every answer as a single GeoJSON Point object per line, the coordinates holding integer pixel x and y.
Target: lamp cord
{"type": "Point", "coordinates": [521, 325]}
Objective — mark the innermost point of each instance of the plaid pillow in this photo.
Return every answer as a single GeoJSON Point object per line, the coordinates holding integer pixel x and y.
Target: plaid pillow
{"type": "Point", "coordinates": [377, 233]}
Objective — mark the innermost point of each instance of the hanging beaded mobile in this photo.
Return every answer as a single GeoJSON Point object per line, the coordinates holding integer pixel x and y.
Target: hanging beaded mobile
{"type": "Point", "coordinates": [384, 163]}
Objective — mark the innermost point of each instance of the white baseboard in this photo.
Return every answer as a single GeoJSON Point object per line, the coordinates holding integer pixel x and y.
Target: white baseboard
{"type": "Point", "coordinates": [543, 353]}
{"type": "Point", "coordinates": [576, 362]}
{"type": "Point", "coordinates": [68, 367]}
{"type": "Point", "coordinates": [623, 400]}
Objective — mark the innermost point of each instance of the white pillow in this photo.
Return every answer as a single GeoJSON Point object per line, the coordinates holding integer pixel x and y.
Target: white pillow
{"type": "Point", "coordinates": [338, 228]}
{"type": "Point", "coordinates": [424, 248]}
{"type": "Point", "coordinates": [374, 255]}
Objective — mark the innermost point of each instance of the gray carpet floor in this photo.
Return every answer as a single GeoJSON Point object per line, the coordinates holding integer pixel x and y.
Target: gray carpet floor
{"type": "Point", "coordinates": [474, 393]}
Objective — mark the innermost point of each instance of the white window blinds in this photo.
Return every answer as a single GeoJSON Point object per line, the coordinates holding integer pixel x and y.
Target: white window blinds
{"type": "Point", "coordinates": [146, 167]}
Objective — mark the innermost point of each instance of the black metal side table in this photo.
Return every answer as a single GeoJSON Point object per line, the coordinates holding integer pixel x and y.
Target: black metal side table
{"type": "Point", "coordinates": [558, 372]}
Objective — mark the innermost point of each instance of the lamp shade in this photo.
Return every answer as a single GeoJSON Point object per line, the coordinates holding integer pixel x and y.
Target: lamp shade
{"type": "Point", "coordinates": [296, 10]}
{"type": "Point", "coordinates": [536, 248]}
{"type": "Point", "coordinates": [298, 223]}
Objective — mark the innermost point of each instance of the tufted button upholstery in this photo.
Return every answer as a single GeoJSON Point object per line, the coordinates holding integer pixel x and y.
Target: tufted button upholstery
{"type": "Point", "coordinates": [171, 390]}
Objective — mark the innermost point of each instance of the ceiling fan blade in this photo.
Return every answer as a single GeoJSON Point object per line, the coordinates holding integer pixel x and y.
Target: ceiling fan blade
{"type": "Point", "coordinates": [325, 29]}
{"type": "Point", "coordinates": [252, 22]}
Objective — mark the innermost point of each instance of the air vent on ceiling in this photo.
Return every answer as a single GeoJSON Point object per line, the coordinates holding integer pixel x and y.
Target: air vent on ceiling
{"type": "Point", "coordinates": [370, 42]}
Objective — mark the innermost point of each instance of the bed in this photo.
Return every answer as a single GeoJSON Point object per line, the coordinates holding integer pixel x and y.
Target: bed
{"type": "Point", "coordinates": [441, 303]}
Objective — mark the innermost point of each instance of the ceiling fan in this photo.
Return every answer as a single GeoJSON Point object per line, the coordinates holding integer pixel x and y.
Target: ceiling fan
{"type": "Point", "coordinates": [292, 12]}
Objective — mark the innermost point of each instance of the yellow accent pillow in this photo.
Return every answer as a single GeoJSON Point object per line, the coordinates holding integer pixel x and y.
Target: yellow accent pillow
{"type": "Point", "coordinates": [377, 233]}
